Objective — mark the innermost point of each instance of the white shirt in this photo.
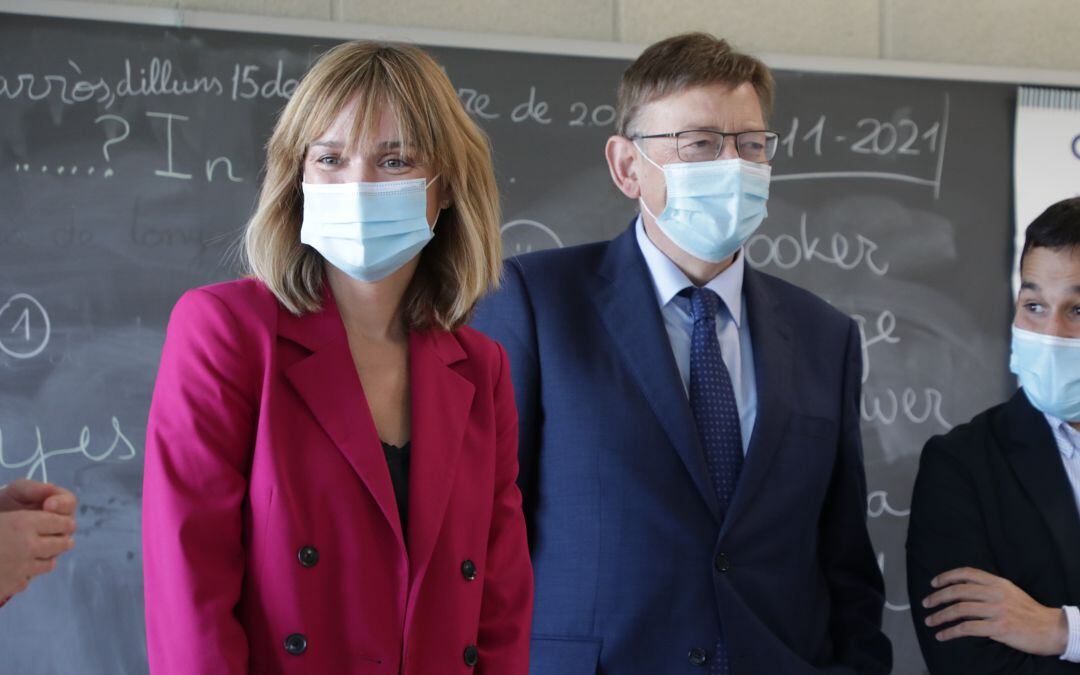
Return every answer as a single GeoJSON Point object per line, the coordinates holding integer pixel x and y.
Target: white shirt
{"type": "Point", "coordinates": [1068, 442]}
{"type": "Point", "coordinates": [731, 326]}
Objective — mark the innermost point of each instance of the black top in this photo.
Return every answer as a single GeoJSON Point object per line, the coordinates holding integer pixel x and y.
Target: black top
{"type": "Point", "coordinates": [397, 459]}
{"type": "Point", "coordinates": [993, 494]}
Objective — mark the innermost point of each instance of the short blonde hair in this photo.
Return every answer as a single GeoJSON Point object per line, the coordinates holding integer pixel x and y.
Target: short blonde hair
{"type": "Point", "coordinates": [463, 260]}
{"type": "Point", "coordinates": [684, 61]}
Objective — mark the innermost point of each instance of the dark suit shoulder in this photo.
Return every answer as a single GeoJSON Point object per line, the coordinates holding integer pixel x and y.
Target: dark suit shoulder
{"type": "Point", "coordinates": [558, 260]}
{"type": "Point", "coordinates": [967, 443]}
{"type": "Point", "coordinates": [797, 301]}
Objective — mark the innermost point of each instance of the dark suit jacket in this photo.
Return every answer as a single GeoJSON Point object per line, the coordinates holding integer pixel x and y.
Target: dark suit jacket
{"type": "Point", "coordinates": [993, 494]}
{"type": "Point", "coordinates": [633, 566]}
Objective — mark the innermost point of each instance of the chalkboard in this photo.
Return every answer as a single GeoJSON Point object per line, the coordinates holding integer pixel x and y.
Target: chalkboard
{"type": "Point", "coordinates": [130, 158]}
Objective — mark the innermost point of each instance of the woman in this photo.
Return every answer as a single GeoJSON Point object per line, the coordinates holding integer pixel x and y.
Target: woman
{"type": "Point", "coordinates": [331, 453]}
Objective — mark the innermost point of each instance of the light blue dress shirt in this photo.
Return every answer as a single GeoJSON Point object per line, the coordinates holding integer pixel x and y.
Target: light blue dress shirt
{"type": "Point", "coordinates": [1068, 442]}
{"type": "Point", "coordinates": [731, 325]}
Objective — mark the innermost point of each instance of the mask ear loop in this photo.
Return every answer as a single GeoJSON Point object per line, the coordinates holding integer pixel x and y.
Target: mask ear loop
{"type": "Point", "coordinates": [641, 200]}
{"type": "Point", "coordinates": [426, 187]}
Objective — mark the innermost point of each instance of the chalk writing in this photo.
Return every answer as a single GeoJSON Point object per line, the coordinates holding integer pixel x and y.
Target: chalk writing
{"type": "Point", "coordinates": [38, 459]}
{"type": "Point", "coordinates": [886, 407]}
{"type": "Point", "coordinates": [476, 103]}
{"type": "Point", "coordinates": [601, 115]}
{"type": "Point", "coordinates": [30, 327]}
{"type": "Point", "coordinates": [788, 252]}
{"type": "Point", "coordinates": [245, 86]}
{"type": "Point", "coordinates": [904, 607]}
{"type": "Point", "coordinates": [169, 117]}
{"type": "Point", "coordinates": [885, 325]}
{"type": "Point", "coordinates": [536, 111]}
{"type": "Point", "coordinates": [877, 505]}
{"type": "Point", "coordinates": [525, 236]}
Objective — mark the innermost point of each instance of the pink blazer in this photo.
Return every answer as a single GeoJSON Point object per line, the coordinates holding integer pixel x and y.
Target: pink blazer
{"type": "Point", "coordinates": [271, 538]}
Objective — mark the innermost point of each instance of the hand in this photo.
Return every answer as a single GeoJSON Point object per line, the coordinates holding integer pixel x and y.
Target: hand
{"type": "Point", "coordinates": [991, 607]}
{"type": "Point", "coordinates": [30, 541]}
{"type": "Point", "coordinates": [30, 495]}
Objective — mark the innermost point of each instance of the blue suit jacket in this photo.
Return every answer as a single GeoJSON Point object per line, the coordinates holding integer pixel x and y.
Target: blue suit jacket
{"type": "Point", "coordinates": [633, 566]}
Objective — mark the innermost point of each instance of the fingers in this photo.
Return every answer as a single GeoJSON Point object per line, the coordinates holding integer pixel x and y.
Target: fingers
{"type": "Point", "coordinates": [33, 495]}
{"type": "Point", "coordinates": [28, 493]}
{"type": "Point", "coordinates": [961, 592]}
{"type": "Point", "coordinates": [975, 628]}
{"type": "Point", "coordinates": [46, 548]}
{"type": "Point", "coordinates": [62, 502]}
{"type": "Point", "coordinates": [959, 611]}
{"type": "Point", "coordinates": [39, 567]}
{"type": "Point", "coordinates": [968, 575]}
{"type": "Point", "coordinates": [44, 522]}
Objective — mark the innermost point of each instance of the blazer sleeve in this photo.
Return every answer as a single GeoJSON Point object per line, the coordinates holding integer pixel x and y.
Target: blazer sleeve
{"type": "Point", "coordinates": [507, 317]}
{"type": "Point", "coordinates": [946, 531]}
{"type": "Point", "coordinates": [856, 587]}
{"type": "Point", "coordinates": [506, 607]}
{"type": "Point", "coordinates": [199, 435]}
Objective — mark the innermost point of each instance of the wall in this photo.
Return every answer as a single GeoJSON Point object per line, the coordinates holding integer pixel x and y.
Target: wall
{"type": "Point", "coordinates": [1029, 33]}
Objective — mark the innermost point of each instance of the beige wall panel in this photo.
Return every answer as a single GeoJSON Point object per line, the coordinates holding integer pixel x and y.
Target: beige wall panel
{"type": "Point", "coordinates": [818, 27]}
{"type": "Point", "coordinates": [577, 19]}
{"type": "Point", "coordinates": [306, 9]}
{"type": "Point", "coordinates": [157, 4]}
{"type": "Point", "coordinates": [1023, 33]}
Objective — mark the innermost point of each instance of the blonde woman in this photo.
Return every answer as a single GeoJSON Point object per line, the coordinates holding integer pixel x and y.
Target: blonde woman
{"type": "Point", "coordinates": [331, 453]}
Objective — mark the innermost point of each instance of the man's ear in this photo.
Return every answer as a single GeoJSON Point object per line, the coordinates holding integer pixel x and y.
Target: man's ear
{"type": "Point", "coordinates": [621, 158]}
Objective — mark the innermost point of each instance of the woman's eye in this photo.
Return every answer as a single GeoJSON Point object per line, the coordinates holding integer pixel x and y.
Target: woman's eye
{"type": "Point", "coordinates": [328, 160]}
{"type": "Point", "coordinates": [1033, 307]}
{"type": "Point", "coordinates": [396, 163]}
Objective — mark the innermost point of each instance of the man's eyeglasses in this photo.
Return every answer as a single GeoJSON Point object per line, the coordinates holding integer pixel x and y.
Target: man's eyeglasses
{"type": "Point", "coordinates": [701, 145]}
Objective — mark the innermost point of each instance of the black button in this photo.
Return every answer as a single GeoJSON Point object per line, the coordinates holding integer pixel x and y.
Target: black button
{"type": "Point", "coordinates": [296, 644]}
{"type": "Point", "coordinates": [468, 570]}
{"type": "Point", "coordinates": [472, 655]}
{"type": "Point", "coordinates": [722, 563]}
{"type": "Point", "coordinates": [698, 656]}
{"type": "Point", "coordinates": [308, 556]}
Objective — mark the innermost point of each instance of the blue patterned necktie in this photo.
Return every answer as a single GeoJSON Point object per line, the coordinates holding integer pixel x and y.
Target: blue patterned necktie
{"type": "Point", "coordinates": [712, 399]}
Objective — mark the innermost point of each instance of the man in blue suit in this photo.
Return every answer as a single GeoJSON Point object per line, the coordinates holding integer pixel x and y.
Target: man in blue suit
{"type": "Point", "coordinates": [689, 427]}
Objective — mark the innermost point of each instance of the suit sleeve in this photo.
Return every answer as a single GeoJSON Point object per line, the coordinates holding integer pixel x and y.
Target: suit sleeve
{"type": "Point", "coordinates": [946, 531]}
{"type": "Point", "coordinates": [856, 587]}
{"type": "Point", "coordinates": [199, 436]}
{"type": "Point", "coordinates": [507, 317]}
{"type": "Point", "coordinates": [506, 608]}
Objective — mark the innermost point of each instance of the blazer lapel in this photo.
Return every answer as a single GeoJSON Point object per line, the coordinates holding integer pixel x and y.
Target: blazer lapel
{"type": "Point", "coordinates": [327, 382]}
{"type": "Point", "coordinates": [626, 303]}
{"type": "Point", "coordinates": [441, 404]}
{"type": "Point", "coordinates": [773, 366]}
{"type": "Point", "coordinates": [1036, 460]}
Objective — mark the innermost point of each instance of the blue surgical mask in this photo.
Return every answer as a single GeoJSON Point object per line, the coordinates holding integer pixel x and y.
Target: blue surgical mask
{"type": "Point", "coordinates": [367, 230]}
{"type": "Point", "coordinates": [714, 207]}
{"type": "Point", "coordinates": [1048, 368]}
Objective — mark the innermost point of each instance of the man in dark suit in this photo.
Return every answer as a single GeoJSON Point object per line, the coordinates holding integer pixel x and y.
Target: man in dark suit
{"type": "Point", "coordinates": [994, 540]}
{"type": "Point", "coordinates": [689, 427]}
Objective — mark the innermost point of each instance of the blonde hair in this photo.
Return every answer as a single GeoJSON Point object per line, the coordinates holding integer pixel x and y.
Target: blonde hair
{"type": "Point", "coordinates": [684, 61]}
{"type": "Point", "coordinates": [463, 260]}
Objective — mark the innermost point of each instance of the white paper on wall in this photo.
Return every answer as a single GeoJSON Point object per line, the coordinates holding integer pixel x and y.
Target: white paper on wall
{"type": "Point", "coordinates": [1046, 157]}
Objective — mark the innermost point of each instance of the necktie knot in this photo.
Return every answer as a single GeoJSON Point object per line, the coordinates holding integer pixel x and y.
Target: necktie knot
{"type": "Point", "coordinates": [704, 304]}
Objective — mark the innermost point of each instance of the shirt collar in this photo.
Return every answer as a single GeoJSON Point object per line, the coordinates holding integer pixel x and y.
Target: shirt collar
{"type": "Point", "coordinates": [1068, 438]}
{"type": "Point", "coordinates": [669, 280]}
